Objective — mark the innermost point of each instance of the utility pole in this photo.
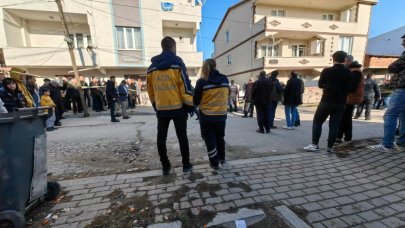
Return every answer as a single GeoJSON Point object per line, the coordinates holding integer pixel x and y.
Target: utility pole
{"type": "Point", "coordinates": [72, 57]}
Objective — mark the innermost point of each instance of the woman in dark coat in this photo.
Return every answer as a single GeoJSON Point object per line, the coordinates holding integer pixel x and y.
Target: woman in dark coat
{"type": "Point", "coordinates": [292, 99]}
{"type": "Point", "coordinates": [11, 96]}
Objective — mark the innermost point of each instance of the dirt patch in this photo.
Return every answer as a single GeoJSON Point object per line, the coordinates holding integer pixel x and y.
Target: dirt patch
{"type": "Point", "coordinates": [188, 219]}
{"type": "Point", "coordinates": [241, 185]}
{"type": "Point", "coordinates": [175, 198]}
{"type": "Point", "coordinates": [195, 176]}
{"type": "Point", "coordinates": [210, 188]}
{"type": "Point", "coordinates": [272, 218]}
{"type": "Point", "coordinates": [132, 212]}
{"type": "Point", "coordinates": [116, 195]}
{"type": "Point", "coordinates": [160, 179]}
{"type": "Point", "coordinates": [35, 217]}
{"type": "Point", "coordinates": [300, 212]}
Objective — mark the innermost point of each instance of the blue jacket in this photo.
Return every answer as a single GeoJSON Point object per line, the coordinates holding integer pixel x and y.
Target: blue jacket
{"type": "Point", "coordinates": [122, 92]}
{"type": "Point", "coordinates": [169, 87]}
{"type": "Point", "coordinates": [212, 97]}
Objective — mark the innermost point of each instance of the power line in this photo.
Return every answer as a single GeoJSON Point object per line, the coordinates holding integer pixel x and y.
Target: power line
{"type": "Point", "coordinates": [25, 3]}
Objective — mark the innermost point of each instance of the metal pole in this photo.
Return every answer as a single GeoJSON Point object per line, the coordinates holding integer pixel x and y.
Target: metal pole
{"type": "Point", "coordinates": [72, 57]}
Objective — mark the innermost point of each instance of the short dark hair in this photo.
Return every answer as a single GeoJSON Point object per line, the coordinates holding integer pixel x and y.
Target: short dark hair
{"type": "Point", "coordinates": [29, 77]}
{"type": "Point", "coordinates": [168, 43]}
{"type": "Point", "coordinates": [112, 77]}
{"type": "Point", "coordinates": [262, 74]}
{"type": "Point", "coordinates": [403, 37]}
{"type": "Point", "coordinates": [46, 90]}
{"type": "Point", "coordinates": [339, 56]}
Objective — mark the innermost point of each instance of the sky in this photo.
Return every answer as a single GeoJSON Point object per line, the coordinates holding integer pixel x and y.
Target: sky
{"type": "Point", "coordinates": [387, 15]}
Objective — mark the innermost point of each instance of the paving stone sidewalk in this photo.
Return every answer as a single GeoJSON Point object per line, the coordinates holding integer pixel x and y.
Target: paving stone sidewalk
{"type": "Point", "coordinates": [364, 189]}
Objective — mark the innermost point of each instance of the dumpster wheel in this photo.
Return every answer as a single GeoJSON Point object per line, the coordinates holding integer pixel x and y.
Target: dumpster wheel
{"type": "Point", "coordinates": [54, 190]}
{"type": "Point", "coordinates": [12, 218]}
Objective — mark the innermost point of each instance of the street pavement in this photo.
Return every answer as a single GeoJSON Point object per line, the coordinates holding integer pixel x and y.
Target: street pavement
{"type": "Point", "coordinates": [364, 189]}
{"type": "Point", "coordinates": [95, 146]}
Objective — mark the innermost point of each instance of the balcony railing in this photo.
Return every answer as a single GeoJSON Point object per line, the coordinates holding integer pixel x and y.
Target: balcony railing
{"type": "Point", "coordinates": [312, 25]}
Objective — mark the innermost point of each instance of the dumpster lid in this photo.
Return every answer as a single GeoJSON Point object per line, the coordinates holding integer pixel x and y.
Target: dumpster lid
{"type": "Point", "coordinates": [24, 113]}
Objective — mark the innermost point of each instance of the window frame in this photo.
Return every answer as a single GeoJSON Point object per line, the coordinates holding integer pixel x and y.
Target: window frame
{"type": "Point", "coordinates": [227, 36]}
{"type": "Point", "coordinates": [277, 13]}
{"type": "Point", "coordinates": [133, 30]}
{"type": "Point", "coordinates": [229, 60]}
{"type": "Point", "coordinates": [329, 17]}
{"type": "Point", "coordinates": [273, 49]}
{"type": "Point", "coordinates": [296, 53]}
{"type": "Point", "coordinates": [342, 44]}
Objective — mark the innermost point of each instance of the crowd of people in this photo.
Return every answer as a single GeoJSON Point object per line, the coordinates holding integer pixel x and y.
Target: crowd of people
{"type": "Point", "coordinates": [345, 89]}
{"type": "Point", "coordinates": [20, 90]}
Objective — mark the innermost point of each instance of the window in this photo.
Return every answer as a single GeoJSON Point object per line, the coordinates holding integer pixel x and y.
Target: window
{"type": "Point", "coordinates": [229, 60]}
{"type": "Point", "coordinates": [278, 13]}
{"type": "Point", "coordinates": [89, 41]}
{"type": "Point", "coordinates": [129, 38]}
{"type": "Point", "coordinates": [298, 50]}
{"type": "Point", "coordinates": [327, 17]}
{"type": "Point", "coordinates": [227, 36]}
{"type": "Point", "coordinates": [270, 50]}
{"type": "Point", "coordinates": [346, 44]}
{"type": "Point", "coordinates": [79, 40]}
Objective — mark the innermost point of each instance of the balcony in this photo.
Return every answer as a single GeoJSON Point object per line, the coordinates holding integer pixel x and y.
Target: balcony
{"type": "Point", "coordinates": [314, 26]}
{"type": "Point", "coordinates": [303, 62]}
{"type": "Point", "coordinates": [47, 56]}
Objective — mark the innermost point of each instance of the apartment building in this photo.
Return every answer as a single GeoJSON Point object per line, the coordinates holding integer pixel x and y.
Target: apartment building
{"type": "Point", "coordinates": [111, 37]}
{"type": "Point", "coordinates": [300, 35]}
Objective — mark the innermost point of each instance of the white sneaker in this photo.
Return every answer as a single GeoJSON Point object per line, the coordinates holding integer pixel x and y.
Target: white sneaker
{"type": "Point", "coordinates": [288, 128]}
{"type": "Point", "coordinates": [311, 148]}
{"type": "Point", "coordinates": [382, 148]}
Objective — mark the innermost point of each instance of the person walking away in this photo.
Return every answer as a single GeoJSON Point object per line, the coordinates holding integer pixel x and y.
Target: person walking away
{"type": "Point", "coordinates": [123, 98]}
{"type": "Point", "coordinates": [297, 113]}
{"type": "Point", "coordinates": [86, 90]}
{"type": "Point", "coordinates": [354, 98]}
{"type": "Point", "coordinates": [396, 107]}
{"type": "Point", "coordinates": [292, 99]}
{"type": "Point", "coordinates": [233, 96]}
{"type": "Point", "coordinates": [336, 84]}
{"type": "Point", "coordinates": [112, 97]}
{"type": "Point", "coordinates": [275, 97]}
{"type": "Point", "coordinates": [261, 95]}
{"type": "Point", "coordinates": [371, 92]}
{"type": "Point", "coordinates": [132, 91]}
{"type": "Point", "coordinates": [170, 93]}
{"type": "Point", "coordinates": [249, 106]}
{"type": "Point", "coordinates": [11, 96]}
{"type": "Point", "coordinates": [33, 89]}
{"type": "Point", "coordinates": [96, 95]}
{"type": "Point", "coordinates": [211, 95]}
{"type": "Point", "coordinates": [46, 100]}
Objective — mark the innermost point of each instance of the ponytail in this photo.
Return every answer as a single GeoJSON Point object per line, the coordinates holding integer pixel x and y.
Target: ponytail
{"type": "Point", "coordinates": [208, 66]}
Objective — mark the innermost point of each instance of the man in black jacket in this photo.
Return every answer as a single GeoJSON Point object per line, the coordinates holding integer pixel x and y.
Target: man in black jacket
{"type": "Point", "coordinates": [336, 84]}
{"type": "Point", "coordinates": [112, 97]}
{"type": "Point", "coordinates": [261, 95]}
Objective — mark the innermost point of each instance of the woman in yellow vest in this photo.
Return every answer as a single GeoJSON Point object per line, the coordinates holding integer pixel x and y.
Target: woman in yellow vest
{"type": "Point", "coordinates": [211, 95]}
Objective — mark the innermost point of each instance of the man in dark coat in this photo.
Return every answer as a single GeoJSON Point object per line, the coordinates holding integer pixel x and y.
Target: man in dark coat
{"type": "Point", "coordinates": [249, 106]}
{"type": "Point", "coordinates": [55, 90]}
{"type": "Point", "coordinates": [336, 84]}
{"type": "Point", "coordinates": [112, 97]}
{"type": "Point", "coordinates": [292, 99]}
{"type": "Point", "coordinates": [261, 95]}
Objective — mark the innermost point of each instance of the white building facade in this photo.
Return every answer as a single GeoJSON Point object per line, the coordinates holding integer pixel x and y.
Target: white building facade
{"type": "Point", "coordinates": [269, 35]}
{"type": "Point", "coordinates": [111, 37]}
